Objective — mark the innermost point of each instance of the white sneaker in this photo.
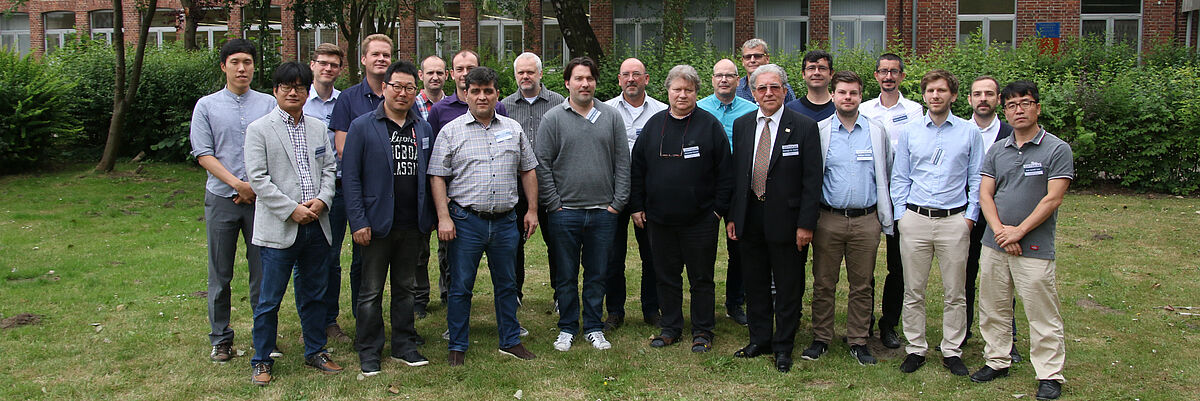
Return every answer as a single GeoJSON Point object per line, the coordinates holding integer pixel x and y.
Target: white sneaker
{"type": "Point", "coordinates": [523, 333]}
{"type": "Point", "coordinates": [563, 343]}
{"type": "Point", "coordinates": [598, 341]}
{"type": "Point", "coordinates": [446, 335]}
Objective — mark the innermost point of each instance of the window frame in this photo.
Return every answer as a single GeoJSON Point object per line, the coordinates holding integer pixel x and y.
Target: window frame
{"type": "Point", "coordinates": [499, 23]}
{"type": "Point", "coordinates": [1110, 24]}
{"type": "Point", "coordinates": [61, 34]}
{"type": "Point", "coordinates": [16, 34]}
{"type": "Point", "coordinates": [439, 28]}
{"type": "Point", "coordinates": [776, 43]}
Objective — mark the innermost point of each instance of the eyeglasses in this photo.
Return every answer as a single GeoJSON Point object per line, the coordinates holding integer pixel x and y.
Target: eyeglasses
{"type": "Point", "coordinates": [725, 76]}
{"type": "Point", "coordinates": [402, 87]}
{"type": "Point", "coordinates": [1025, 105]}
{"type": "Point", "coordinates": [289, 88]}
{"type": "Point", "coordinates": [889, 72]}
{"type": "Point", "coordinates": [326, 64]}
{"type": "Point", "coordinates": [765, 88]}
{"type": "Point", "coordinates": [815, 67]}
{"type": "Point", "coordinates": [752, 56]}
{"type": "Point", "coordinates": [631, 74]}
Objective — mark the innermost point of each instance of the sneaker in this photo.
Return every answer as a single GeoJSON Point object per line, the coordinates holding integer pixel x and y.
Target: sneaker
{"type": "Point", "coordinates": [446, 335]}
{"type": "Point", "coordinates": [862, 355]}
{"type": "Point", "coordinates": [523, 332]}
{"type": "Point", "coordinates": [615, 320]}
{"type": "Point", "coordinates": [370, 373]}
{"type": "Point", "coordinates": [955, 365]}
{"type": "Point", "coordinates": [563, 343]}
{"type": "Point", "coordinates": [260, 374]}
{"type": "Point", "coordinates": [598, 341]}
{"type": "Point", "coordinates": [223, 352]}
{"type": "Point", "coordinates": [322, 363]}
{"type": "Point", "coordinates": [334, 332]}
{"type": "Point", "coordinates": [911, 363]}
{"type": "Point", "coordinates": [556, 307]}
{"type": "Point", "coordinates": [411, 358]}
{"type": "Point", "coordinates": [277, 353]}
{"type": "Point", "coordinates": [815, 351]}
{"type": "Point", "coordinates": [737, 314]}
{"type": "Point", "coordinates": [518, 351]}
{"type": "Point", "coordinates": [986, 374]}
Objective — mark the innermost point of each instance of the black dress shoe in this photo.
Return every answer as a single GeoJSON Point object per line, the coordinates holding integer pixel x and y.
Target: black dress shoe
{"type": "Point", "coordinates": [986, 374]}
{"type": "Point", "coordinates": [615, 320]}
{"type": "Point", "coordinates": [911, 363]}
{"type": "Point", "coordinates": [783, 361]}
{"type": "Point", "coordinates": [955, 365]}
{"type": "Point", "coordinates": [1049, 390]}
{"type": "Point", "coordinates": [737, 314]}
{"type": "Point", "coordinates": [887, 336]}
{"type": "Point", "coordinates": [752, 350]}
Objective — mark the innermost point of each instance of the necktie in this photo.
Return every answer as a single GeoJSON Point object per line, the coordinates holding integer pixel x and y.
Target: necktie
{"type": "Point", "coordinates": [762, 160]}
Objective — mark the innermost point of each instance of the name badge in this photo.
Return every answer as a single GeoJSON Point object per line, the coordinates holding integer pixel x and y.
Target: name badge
{"type": "Point", "coordinates": [1033, 168]}
{"type": "Point", "coordinates": [864, 155]}
{"type": "Point", "coordinates": [503, 136]}
{"type": "Point", "coordinates": [691, 152]}
{"type": "Point", "coordinates": [637, 132]}
{"type": "Point", "coordinates": [900, 118]}
{"type": "Point", "coordinates": [937, 157]}
{"type": "Point", "coordinates": [791, 149]}
{"type": "Point", "coordinates": [320, 151]}
{"type": "Point", "coordinates": [425, 143]}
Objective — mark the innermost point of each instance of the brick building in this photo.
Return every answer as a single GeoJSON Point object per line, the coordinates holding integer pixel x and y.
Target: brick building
{"type": "Point", "coordinates": [41, 26]}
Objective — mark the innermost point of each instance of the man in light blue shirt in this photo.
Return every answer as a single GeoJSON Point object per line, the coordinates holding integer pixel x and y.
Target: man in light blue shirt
{"type": "Point", "coordinates": [726, 106]}
{"type": "Point", "coordinates": [936, 157]}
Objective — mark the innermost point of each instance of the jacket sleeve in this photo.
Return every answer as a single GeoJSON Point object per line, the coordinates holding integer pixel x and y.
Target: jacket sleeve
{"type": "Point", "coordinates": [637, 176]}
{"type": "Point", "coordinates": [546, 149]}
{"type": "Point", "coordinates": [353, 168]}
{"type": "Point", "coordinates": [810, 177]}
{"type": "Point", "coordinates": [724, 169]}
{"type": "Point", "coordinates": [621, 166]}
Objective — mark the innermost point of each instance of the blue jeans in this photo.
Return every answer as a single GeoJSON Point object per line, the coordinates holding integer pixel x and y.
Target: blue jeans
{"type": "Point", "coordinates": [307, 254]}
{"type": "Point", "coordinates": [474, 236]}
{"type": "Point", "coordinates": [581, 236]}
{"type": "Point", "coordinates": [333, 263]}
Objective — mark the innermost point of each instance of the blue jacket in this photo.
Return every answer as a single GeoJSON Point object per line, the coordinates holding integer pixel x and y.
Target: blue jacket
{"type": "Point", "coordinates": [368, 168]}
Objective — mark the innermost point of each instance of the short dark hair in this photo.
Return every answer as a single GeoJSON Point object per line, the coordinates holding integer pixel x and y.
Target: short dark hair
{"type": "Point", "coordinates": [847, 76]}
{"type": "Point", "coordinates": [480, 76]}
{"type": "Point", "coordinates": [986, 78]}
{"type": "Point", "coordinates": [814, 56]}
{"type": "Point", "coordinates": [936, 74]}
{"type": "Point", "coordinates": [891, 57]}
{"type": "Point", "coordinates": [403, 67]}
{"type": "Point", "coordinates": [578, 61]}
{"type": "Point", "coordinates": [292, 72]}
{"type": "Point", "coordinates": [1019, 88]}
{"type": "Point", "coordinates": [235, 46]}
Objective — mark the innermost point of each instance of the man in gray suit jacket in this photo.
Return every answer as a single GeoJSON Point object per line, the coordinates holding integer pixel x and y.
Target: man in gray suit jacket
{"type": "Point", "coordinates": [291, 166]}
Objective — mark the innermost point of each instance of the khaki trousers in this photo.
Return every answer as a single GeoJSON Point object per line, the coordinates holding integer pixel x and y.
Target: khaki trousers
{"type": "Point", "coordinates": [857, 240]}
{"type": "Point", "coordinates": [922, 238]}
{"type": "Point", "coordinates": [999, 274]}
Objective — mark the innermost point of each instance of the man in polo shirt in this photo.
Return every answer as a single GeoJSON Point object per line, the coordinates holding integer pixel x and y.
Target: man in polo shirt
{"type": "Point", "coordinates": [527, 105]}
{"type": "Point", "coordinates": [726, 106]}
{"type": "Point", "coordinates": [355, 101]}
{"type": "Point", "coordinates": [327, 65]}
{"type": "Point", "coordinates": [1024, 180]}
{"type": "Point", "coordinates": [817, 103]}
{"type": "Point", "coordinates": [892, 110]}
{"type": "Point", "coordinates": [476, 163]}
{"type": "Point", "coordinates": [636, 108]}
{"type": "Point", "coordinates": [433, 76]}
{"type": "Point", "coordinates": [755, 54]}
{"type": "Point", "coordinates": [218, 133]}
{"type": "Point", "coordinates": [583, 173]}
{"type": "Point", "coordinates": [936, 157]}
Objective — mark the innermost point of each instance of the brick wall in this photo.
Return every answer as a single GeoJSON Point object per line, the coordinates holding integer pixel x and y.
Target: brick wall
{"type": "Point", "coordinates": [468, 25]}
{"type": "Point", "coordinates": [1030, 12]}
{"type": "Point", "coordinates": [899, 23]}
{"type": "Point", "coordinates": [406, 38]}
{"type": "Point", "coordinates": [602, 22]}
{"type": "Point", "coordinates": [1159, 22]}
{"type": "Point", "coordinates": [743, 23]}
{"type": "Point", "coordinates": [533, 27]}
{"type": "Point", "coordinates": [818, 21]}
{"type": "Point", "coordinates": [936, 24]}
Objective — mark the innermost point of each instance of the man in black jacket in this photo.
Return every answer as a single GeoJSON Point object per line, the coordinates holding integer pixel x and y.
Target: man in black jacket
{"type": "Point", "coordinates": [777, 168]}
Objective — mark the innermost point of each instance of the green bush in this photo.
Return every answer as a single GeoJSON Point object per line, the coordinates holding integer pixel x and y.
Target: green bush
{"type": "Point", "coordinates": [34, 104]}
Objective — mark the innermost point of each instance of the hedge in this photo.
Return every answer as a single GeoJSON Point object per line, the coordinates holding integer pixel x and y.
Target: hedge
{"type": "Point", "coordinates": [34, 104]}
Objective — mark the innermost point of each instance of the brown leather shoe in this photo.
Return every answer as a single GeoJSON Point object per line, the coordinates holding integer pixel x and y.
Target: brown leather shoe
{"type": "Point", "coordinates": [518, 351]}
{"type": "Point", "coordinates": [222, 352]}
{"type": "Point", "coordinates": [457, 358]}
{"type": "Point", "coordinates": [334, 332]}
{"type": "Point", "coordinates": [260, 374]}
{"type": "Point", "coordinates": [322, 363]}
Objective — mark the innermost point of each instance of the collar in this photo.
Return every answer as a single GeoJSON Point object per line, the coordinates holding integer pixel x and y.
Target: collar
{"type": "Point", "coordinates": [836, 122]}
{"type": "Point", "coordinates": [453, 98]}
{"type": "Point", "coordinates": [312, 94]}
{"type": "Point", "coordinates": [236, 97]}
{"type": "Point", "coordinates": [772, 117]}
{"type": "Point", "coordinates": [365, 87]}
{"type": "Point", "coordinates": [1037, 139]}
{"type": "Point", "coordinates": [899, 102]}
{"type": "Point", "coordinates": [591, 116]}
{"type": "Point", "coordinates": [689, 114]}
{"type": "Point", "coordinates": [541, 92]}
{"type": "Point", "coordinates": [929, 121]}
{"type": "Point", "coordinates": [995, 123]}
{"type": "Point", "coordinates": [495, 120]}
{"type": "Point", "coordinates": [380, 114]}
{"type": "Point", "coordinates": [288, 119]}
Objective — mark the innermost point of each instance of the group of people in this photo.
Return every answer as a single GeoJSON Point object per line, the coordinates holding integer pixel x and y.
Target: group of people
{"type": "Point", "coordinates": [398, 162]}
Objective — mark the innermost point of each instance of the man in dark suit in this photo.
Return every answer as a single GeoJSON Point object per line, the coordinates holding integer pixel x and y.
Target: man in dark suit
{"type": "Point", "coordinates": [777, 164]}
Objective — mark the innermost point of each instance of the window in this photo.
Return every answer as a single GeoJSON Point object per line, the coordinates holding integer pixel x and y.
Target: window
{"type": "Point", "coordinates": [212, 27]}
{"type": "Point", "coordinates": [554, 47]}
{"type": "Point", "coordinates": [1113, 21]}
{"type": "Point", "coordinates": [993, 19]}
{"type": "Point", "coordinates": [857, 23]}
{"type": "Point", "coordinates": [439, 34]}
{"type": "Point", "coordinates": [500, 37]}
{"type": "Point", "coordinates": [637, 23]}
{"type": "Point", "coordinates": [60, 28]}
{"type": "Point", "coordinates": [14, 33]}
{"type": "Point", "coordinates": [783, 24]}
{"type": "Point", "coordinates": [102, 25]}
{"type": "Point", "coordinates": [710, 23]}
{"type": "Point", "coordinates": [309, 37]}
{"type": "Point", "coordinates": [250, 28]}
{"type": "Point", "coordinates": [164, 26]}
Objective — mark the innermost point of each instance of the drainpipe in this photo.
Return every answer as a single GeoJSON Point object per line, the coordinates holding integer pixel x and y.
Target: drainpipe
{"type": "Point", "coordinates": [914, 27]}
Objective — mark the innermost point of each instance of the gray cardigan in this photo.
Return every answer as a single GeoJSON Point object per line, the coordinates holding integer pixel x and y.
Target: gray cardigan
{"type": "Point", "coordinates": [881, 146]}
{"type": "Point", "coordinates": [582, 161]}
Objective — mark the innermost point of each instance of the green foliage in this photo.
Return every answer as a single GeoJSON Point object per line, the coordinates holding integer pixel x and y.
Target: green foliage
{"type": "Point", "coordinates": [34, 104]}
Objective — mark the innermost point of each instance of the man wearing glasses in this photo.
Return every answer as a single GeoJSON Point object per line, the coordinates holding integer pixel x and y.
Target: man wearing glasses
{"type": "Point", "coordinates": [391, 214]}
{"type": "Point", "coordinates": [817, 104]}
{"type": "Point", "coordinates": [726, 106]}
{"type": "Point", "coordinates": [754, 54]}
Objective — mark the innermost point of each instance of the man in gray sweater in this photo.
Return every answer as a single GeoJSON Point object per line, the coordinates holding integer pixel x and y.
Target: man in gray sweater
{"type": "Point", "coordinates": [583, 180]}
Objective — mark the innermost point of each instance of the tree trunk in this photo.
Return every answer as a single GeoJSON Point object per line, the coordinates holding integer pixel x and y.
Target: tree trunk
{"type": "Point", "coordinates": [123, 95]}
{"type": "Point", "coordinates": [190, 21]}
{"type": "Point", "coordinates": [576, 29]}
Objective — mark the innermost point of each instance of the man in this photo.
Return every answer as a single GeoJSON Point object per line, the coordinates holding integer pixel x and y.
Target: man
{"type": "Point", "coordinates": [433, 76]}
{"type": "Point", "coordinates": [936, 157]}
{"type": "Point", "coordinates": [322, 98]}
{"type": "Point", "coordinates": [855, 208]}
{"type": "Point", "coordinates": [892, 110]}
{"type": "Point", "coordinates": [755, 54]}
{"type": "Point", "coordinates": [527, 105]}
{"type": "Point", "coordinates": [817, 104]}
{"type": "Point", "coordinates": [726, 106]}
{"type": "Point", "coordinates": [391, 214]}
{"type": "Point", "coordinates": [291, 166]}
{"type": "Point", "coordinates": [1024, 180]}
{"type": "Point", "coordinates": [218, 133]}
{"type": "Point", "coordinates": [681, 182]}
{"type": "Point", "coordinates": [583, 174]}
{"type": "Point", "coordinates": [773, 212]}
{"type": "Point", "coordinates": [355, 101]}
{"type": "Point", "coordinates": [477, 161]}
{"type": "Point", "coordinates": [636, 108]}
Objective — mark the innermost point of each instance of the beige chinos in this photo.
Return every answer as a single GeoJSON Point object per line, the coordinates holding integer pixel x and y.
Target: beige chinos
{"type": "Point", "coordinates": [1034, 282]}
{"type": "Point", "coordinates": [921, 239]}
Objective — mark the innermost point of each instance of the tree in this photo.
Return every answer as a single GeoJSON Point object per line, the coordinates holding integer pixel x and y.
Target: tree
{"type": "Point", "coordinates": [190, 21]}
{"type": "Point", "coordinates": [126, 81]}
{"type": "Point", "coordinates": [576, 28]}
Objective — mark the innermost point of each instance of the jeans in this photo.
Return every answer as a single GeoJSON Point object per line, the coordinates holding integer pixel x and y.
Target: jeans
{"type": "Point", "coordinates": [581, 236]}
{"type": "Point", "coordinates": [333, 263]}
{"type": "Point", "coordinates": [308, 255]}
{"type": "Point", "coordinates": [474, 236]}
{"type": "Point", "coordinates": [396, 255]}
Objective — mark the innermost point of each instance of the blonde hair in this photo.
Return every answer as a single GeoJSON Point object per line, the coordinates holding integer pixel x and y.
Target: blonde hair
{"type": "Point", "coordinates": [377, 36]}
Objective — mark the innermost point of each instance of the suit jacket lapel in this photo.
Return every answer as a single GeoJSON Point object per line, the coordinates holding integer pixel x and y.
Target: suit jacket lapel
{"type": "Point", "coordinates": [284, 139]}
{"type": "Point", "coordinates": [781, 137]}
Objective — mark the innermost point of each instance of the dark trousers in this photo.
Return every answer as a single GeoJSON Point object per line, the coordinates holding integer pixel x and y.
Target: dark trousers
{"type": "Point", "coordinates": [519, 258]}
{"type": "Point", "coordinates": [395, 255]}
{"type": "Point", "coordinates": [421, 278]}
{"type": "Point", "coordinates": [614, 296]}
{"type": "Point", "coordinates": [763, 260]}
{"type": "Point", "coordinates": [551, 251]}
{"type": "Point", "coordinates": [973, 276]}
{"type": "Point", "coordinates": [735, 294]}
{"type": "Point", "coordinates": [333, 262]}
{"type": "Point", "coordinates": [223, 221]}
{"type": "Point", "coordinates": [893, 284]}
{"type": "Point", "coordinates": [694, 246]}
{"type": "Point", "coordinates": [307, 255]}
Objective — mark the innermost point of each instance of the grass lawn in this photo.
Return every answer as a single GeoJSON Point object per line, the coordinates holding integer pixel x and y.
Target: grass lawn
{"type": "Point", "coordinates": [114, 266]}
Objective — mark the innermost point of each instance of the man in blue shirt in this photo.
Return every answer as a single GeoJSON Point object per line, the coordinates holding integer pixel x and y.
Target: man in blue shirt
{"type": "Point", "coordinates": [936, 157]}
{"type": "Point", "coordinates": [726, 106]}
{"type": "Point", "coordinates": [817, 103]}
{"type": "Point", "coordinates": [755, 54]}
